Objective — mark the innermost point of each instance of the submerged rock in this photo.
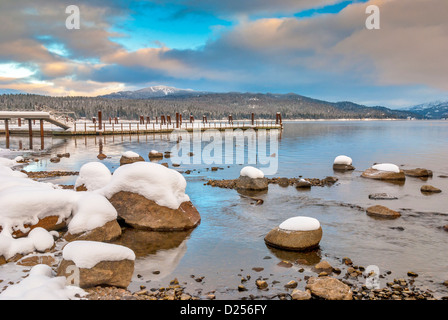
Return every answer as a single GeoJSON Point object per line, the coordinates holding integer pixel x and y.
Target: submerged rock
{"type": "Point", "coordinates": [382, 212]}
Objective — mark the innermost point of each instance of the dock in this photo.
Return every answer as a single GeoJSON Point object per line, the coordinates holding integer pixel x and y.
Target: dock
{"type": "Point", "coordinates": [45, 124]}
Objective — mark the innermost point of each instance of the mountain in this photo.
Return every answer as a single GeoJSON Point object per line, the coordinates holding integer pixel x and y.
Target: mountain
{"type": "Point", "coordinates": [168, 101]}
{"type": "Point", "coordinates": [152, 92]}
{"type": "Point", "coordinates": [431, 110]}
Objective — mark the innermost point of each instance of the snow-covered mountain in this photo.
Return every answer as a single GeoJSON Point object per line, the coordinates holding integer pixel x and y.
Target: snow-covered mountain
{"type": "Point", "coordinates": [431, 110]}
{"type": "Point", "coordinates": [153, 92]}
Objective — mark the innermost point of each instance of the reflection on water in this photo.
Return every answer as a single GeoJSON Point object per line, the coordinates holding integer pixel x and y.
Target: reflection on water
{"type": "Point", "coordinates": [230, 239]}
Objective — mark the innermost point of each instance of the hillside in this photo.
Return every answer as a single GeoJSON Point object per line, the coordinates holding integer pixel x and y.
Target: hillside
{"type": "Point", "coordinates": [214, 105]}
{"type": "Point", "coordinates": [432, 110]}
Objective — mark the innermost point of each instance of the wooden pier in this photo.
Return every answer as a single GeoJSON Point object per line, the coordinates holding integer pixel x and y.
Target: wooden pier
{"type": "Point", "coordinates": [115, 126]}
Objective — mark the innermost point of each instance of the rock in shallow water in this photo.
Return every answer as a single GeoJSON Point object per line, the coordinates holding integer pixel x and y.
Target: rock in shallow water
{"type": "Point", "coordinates": [382, 212]}
{"type": "Point", "coordinates": [430, 189]}
{"type": "Point", "coordinates": [381, 196]}
{"type": "Point", "coordinates": [142, 213]}
{"type": "Point", "coordinates": [383, 175]}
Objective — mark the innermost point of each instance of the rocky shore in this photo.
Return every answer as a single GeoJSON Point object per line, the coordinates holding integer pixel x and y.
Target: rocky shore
{"type": "Point", "coordinates": [281, 181]}
{"type": "Point", "coordinates": [345, 282]}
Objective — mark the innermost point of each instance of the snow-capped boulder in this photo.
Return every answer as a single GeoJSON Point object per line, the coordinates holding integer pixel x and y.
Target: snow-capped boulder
{"type": "Point", "coordinates": [97, 263]}
{"type": "Point", "coordinates": [41, 285]}
{"type": "Point", "coordinates": [384, 171]}
{"type": "Point", "coordinates": [154, 154]}
{"type": "Point", "coordinates": [37, 240]}
{"type": "Point", "coordinates": [95, 219]}
{"type": "Point", "coordinates": [251, 179]}
{"type": "Point", "coordinates": [303, 184]}
{"type": "Point", "coordinates": [150, 196]}
{"type": "Point", "coordinates": [296, 234]}
{"type": "Point", "coordinates": [130, 157]}
{"type": "Point", "coordinates": [343, 163]}
{"type": "Point", "coordinates": [92, 176]}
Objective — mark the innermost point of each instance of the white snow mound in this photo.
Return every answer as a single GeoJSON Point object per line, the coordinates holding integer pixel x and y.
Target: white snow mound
{"type": "Point", "coordinates": [93, 175]}
{"type": "Point", "coordinates": [41, 285]}
{"type": "Point", "coordinates": [87, 254]}
{"type": "Point", "coordinates": [386, 167]}
{"type": "Point", "coordinates": [251, 172]}
{"type": "Point", "coordinates": [130, 154]}
{"type": "Point", "coordinates": [343, 160]}
{"type": "Point", "coordinates": [153, 181]}
{"type": "Point", "coordinates": [300, 224]}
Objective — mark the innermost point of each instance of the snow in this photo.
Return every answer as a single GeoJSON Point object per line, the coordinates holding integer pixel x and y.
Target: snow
{"type": "Point", "coordinates": [251, 172]}
{"type": "Point", "coordinates": [7, 162]}
{"type": "Point", "coordinates": [386, 167]}
{"type": "Point", "coordinates": [41, 285]}
{"type": "Point", "coordinates": [130, 154]}
{"type": "Point", "coordinates": [93, 175]}
{"type": "Point", "coordinates": [154, 152]}
{"type": "Point", "coordinates": [153, 181]}
{"type": "Point", "coordinates": [300, 224]}
{"type": "Point", "coordinates": [92, 211]}
{"type": "Point", "coordinates": [87, 254]}
{"type": "Point", "coordinates": [25, 202]}
{"type": "Point", "coordinates": [38, 239]}
{"type": "Point", "coordinates": [343, 160]}
{"type": "Point", "coordinates": [19, 159]}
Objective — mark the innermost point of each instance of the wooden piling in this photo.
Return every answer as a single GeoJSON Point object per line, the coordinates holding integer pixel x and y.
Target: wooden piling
{"type": "Point", "coordinates": [100, 120]}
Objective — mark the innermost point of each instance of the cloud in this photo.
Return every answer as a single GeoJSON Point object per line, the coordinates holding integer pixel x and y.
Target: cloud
{"type": "Point", "coordinates": [328, 56]}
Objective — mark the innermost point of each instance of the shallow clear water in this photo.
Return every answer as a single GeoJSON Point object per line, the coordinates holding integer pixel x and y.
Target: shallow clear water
{"type": "Point", "coordinates": [229, 241]}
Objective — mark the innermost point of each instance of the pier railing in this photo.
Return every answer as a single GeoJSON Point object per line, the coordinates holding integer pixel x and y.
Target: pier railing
{"type": "Point", "coordinates": [137, 127]}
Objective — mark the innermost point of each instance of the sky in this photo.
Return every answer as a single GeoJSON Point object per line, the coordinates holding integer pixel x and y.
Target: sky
{"type": "Point", "coordinates": [316, 48]}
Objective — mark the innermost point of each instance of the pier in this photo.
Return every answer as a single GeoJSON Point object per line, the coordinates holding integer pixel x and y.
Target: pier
{"type": "Point", "coordinates": [44, 124]}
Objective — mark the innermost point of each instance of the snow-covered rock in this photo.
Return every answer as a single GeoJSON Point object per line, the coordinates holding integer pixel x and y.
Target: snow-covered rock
{"type": "Point", "coordinates": [151, 196]}
{"type": "Point", "coordinates": [300, 224]}
{"type": "Point", "coordinates": [37, 240]}
{"type": "Point", "coordinates": [389, 167]}
{"type": "Point", "coordinates": [153, 181]}
{"type": "Point", "coordinates": [41, 285]}
{"type": "Point", "coordinates": [97, 263]}
{"type": "Point", "coordinates": [87, 254]}
{"type": "Point", "coordinates": [251, 172]}
{"type": "Point", "coordinates": [384, 171]}
{"type": "Point", "coordinates": [93, 176]}
{"type": "Point", "coordinates": [251, 179]}
{"type": "Point", "coordinates": [343, 163]}
{"type": "Point", "coordinates": [130, 157]}
{"type": "Point", "coordinates": [343, 160]}
{"type": "Point", "coordinates": [296, 234]}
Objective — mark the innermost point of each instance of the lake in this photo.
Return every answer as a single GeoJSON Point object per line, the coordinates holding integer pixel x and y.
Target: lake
{"type": "Point", "coordinates": [229, 241]}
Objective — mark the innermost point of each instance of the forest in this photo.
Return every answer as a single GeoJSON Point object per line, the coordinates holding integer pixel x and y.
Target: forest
{"type": "Point", "coordinates": [213, 105]}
